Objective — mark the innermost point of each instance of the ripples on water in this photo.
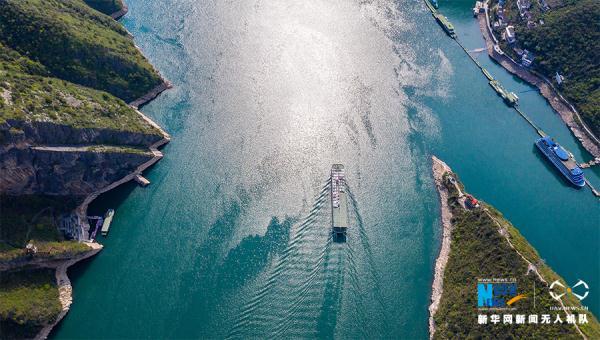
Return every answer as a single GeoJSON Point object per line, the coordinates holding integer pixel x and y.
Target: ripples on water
{"type": "Point", "coordinates": [269, 94]}
{"type": "Point", "coordinates": [303, 293]}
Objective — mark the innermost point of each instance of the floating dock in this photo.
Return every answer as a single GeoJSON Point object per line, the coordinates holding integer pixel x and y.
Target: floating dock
{"type": "Point", "coordinates": [594, 191]}
{"type": "Point", "coordinates": [487, 74]}
{"type": "Point", "coordinates": [510, 98]}
{"type": "Point", "coordinates": [430, 6]}
{"type": "Point", "coordinates": [107, 221]}
{"type": "Point", "coordinates": [440, 18]}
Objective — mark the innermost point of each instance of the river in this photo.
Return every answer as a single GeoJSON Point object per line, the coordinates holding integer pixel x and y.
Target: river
{"type": "Point", "coordinates": [231, 238]}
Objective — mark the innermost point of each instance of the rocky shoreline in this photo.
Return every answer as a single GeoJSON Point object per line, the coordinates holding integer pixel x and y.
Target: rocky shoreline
{"type": "Point", "coordinates": [165, 85]}
{"type": "Point", "coordinates": [566, 111]}
{"type": "Point", "coordinates": [439, 168]}
{"type": "Point", "coordinates": [120, 13]}
{"type": "Point", "coordinates": [63, 282]}
{"type": "Point", "coordinates": [65, 290]}
{"type": "Point", "coordinates": [444, 180]}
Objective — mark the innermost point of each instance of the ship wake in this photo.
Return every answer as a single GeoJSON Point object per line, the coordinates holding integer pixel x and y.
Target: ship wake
{"type": "Point", "coordinates": [317, 287]}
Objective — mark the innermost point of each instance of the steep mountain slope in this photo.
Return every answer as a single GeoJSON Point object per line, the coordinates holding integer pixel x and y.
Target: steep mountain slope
{"type": "Point", "coordinates": [78, 44]}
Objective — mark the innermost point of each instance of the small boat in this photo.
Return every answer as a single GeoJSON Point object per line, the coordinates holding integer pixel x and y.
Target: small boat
{"type": "Point", "coordinates": [562, 160]}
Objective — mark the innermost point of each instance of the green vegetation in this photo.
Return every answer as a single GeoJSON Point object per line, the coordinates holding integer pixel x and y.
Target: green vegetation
{"type": "Point", "coordinates": [12, 61]}
{"type": "Point", "coordinates": [28, 301]}
{"type": "Point", "coordinates": [592, 330]}
{"type": "Point", "coordinates": [29, 298]}
{"type": "Point", "coordinates": [105, 6]}
{"type": "Point", "coordinates": [567, 42]}
{"type": "Point", "coordinates": [479, 251]}
{"type": "Point", "coordinates": [119, 149]}
{"type": "Point", "coordinates": [77, 44]}
{"type": "Point", "coordinates": [45, 250]}
{"type": "Point", "coordinates": [28, 93]}
{"type": "Point", "coordinates": [65, 63]}
{"type": "Point", "coordinates": [42, 99]}
{"type": "Point", "coordinates": [35, 218]}
{"type": "Point", "coordinates": [31, 217]}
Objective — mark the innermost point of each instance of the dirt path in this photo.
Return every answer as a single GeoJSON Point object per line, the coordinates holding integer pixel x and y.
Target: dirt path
{"type": "Point", "coordinates": [439, 169]}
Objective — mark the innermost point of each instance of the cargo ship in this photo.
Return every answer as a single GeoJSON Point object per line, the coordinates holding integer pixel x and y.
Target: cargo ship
{"type": "Point", "coordinates": [339, 203]}
{"type": "Point", "coordinates": [562, 160]}
{"type": "Point", "coordinates": [107, 220]}
{"type": "Point", "coordinates": [445, 23]}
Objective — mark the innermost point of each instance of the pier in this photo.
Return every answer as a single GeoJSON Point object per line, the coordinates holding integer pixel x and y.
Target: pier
{"type": "Point", "coordinates": [594, 190]}
{"type": "Point", "coordinates": [591, 163]}
{"type": "Point", "coordinates": [510, 98]}
{"type": "Point", "coordinates": [107, 221]}
{"type": "Point", "coordinates": [141, 180]}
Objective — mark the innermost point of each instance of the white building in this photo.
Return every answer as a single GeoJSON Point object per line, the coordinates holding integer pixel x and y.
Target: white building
{"type": "Point", "coordinates": [510, 34]}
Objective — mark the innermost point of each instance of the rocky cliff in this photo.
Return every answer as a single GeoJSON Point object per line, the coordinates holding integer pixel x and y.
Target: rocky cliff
{"type": "Point", "coordinates": [67, 135]}
{"type": "Point", "coordinates": [63, 171]}
{"type": "Point", "coordinates": [53, 159]}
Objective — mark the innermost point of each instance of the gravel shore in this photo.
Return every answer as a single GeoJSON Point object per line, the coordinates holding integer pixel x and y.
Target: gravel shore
{"type": "Point", "coordinates": [439, 168]}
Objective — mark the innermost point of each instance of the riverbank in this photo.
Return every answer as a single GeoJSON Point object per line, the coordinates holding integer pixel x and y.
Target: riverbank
{"type": "Point", "coordinates": [81, 210]}
{"type": "Point", "coordinates": [65, 290]}
{"type": "Point", "coordinates": [33, 308]}
{"type": "Point", "coordinates": [566, 111]}
{"type": "Point", "coordinates": [439, 168]}
{"type": "Point", "coordinates": [482, 244]}
{"type": "Point", "coordinates": [120, 13]}
{"type": "Point", "coordinates": [37, 306]}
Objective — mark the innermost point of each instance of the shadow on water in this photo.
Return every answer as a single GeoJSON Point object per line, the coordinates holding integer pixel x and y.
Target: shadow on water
{"type": "Point", "coordinates": [111, 199]}
{"type": "Point", "coordinates": [259, 249]}
{"type": "Point", "coordinates": [199, 281]}
{"type": "Point", "coordinates": [214, 278]}
{"type": "Point", "coordinates": [304, 292]}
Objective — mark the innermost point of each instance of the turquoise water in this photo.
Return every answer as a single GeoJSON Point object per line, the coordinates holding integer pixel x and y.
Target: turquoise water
{"type": "Point", "coordinates": [231, 238]}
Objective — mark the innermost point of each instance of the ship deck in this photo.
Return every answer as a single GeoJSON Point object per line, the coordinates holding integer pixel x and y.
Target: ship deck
{"type": "Point", "coordinates": [340, 214]}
